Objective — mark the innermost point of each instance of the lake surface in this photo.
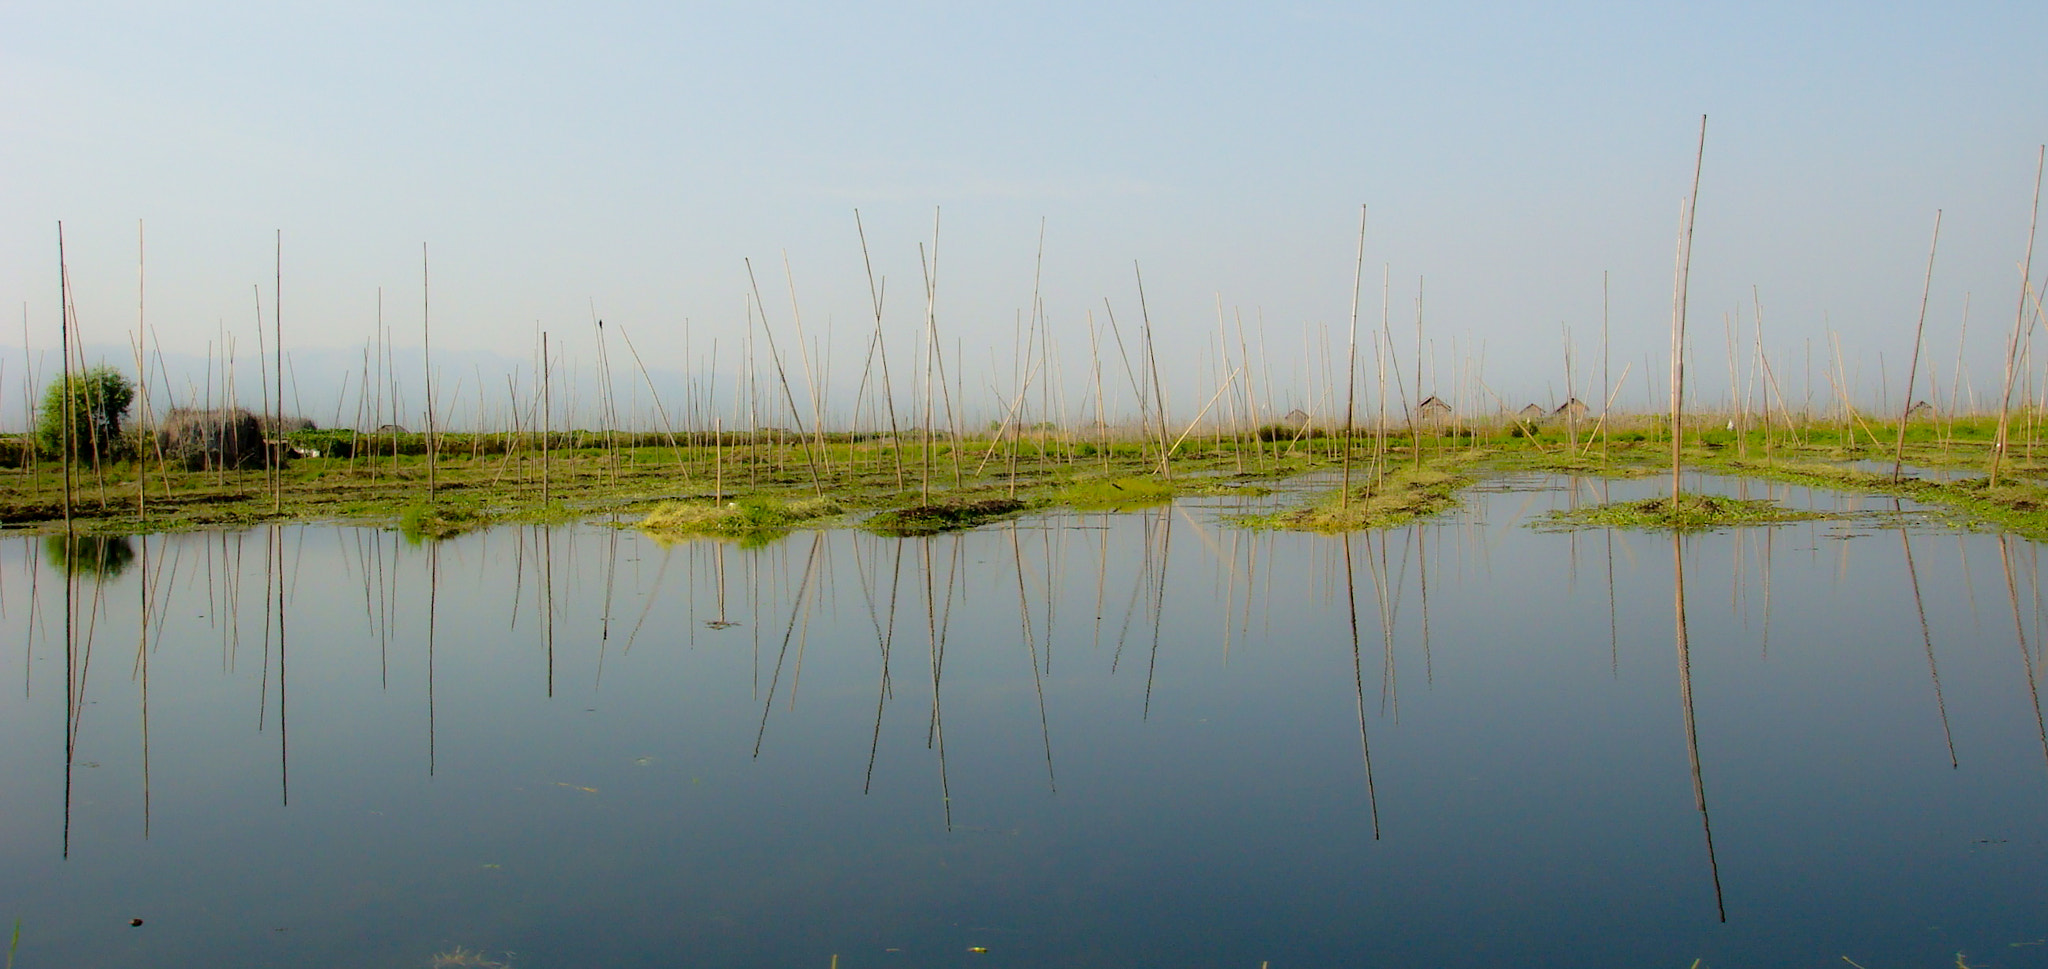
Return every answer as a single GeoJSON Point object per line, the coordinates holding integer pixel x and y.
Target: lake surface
{"type": "Point", "coordinates": [1121, 739]}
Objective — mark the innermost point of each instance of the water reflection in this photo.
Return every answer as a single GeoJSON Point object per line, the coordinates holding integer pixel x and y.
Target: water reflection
{"type": "Point", "coordinates": [586, 747]}
{"type": "Point", "coordinates": [103, 555]}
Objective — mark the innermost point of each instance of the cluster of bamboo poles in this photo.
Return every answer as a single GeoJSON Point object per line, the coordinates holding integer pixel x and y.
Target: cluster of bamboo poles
{"type": "Point", "coordinates": [1034, 416]}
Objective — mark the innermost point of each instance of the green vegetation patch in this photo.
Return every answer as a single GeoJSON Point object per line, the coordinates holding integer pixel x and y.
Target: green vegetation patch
{"type": "Point", "coordinates": [432, 523]}
{"type": "Point", "coordinates": [1114, 493]}
{"type": "Point", "coordinates": [745, 518]}
{"type": "Point", "coordinates": [945, 516]}
{"type": "Point", "coordinates": [2014, 504]}
{"type": "Point", "coordinates": [1691, 513]}
{"type": "Point", "coordinates": [1400, 497]}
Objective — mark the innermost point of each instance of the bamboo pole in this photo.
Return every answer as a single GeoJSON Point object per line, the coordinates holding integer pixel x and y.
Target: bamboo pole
{"type": "Point", "coordinates": [1351, 364]}
{"type": "Point", "coordinates": [2019, 321]}
{"type": "Point", "coordinates": [1678, 308]}
{"type": "Point", "coordinates": [427, 360]}
{"type": "Point", "coordinates": [1919, 334]}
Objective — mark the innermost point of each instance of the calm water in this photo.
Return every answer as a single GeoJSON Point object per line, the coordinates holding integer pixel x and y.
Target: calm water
{"type": "Point", "coordinates": [1138, 739]}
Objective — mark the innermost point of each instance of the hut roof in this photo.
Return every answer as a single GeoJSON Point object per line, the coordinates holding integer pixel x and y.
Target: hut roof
{"type": "Point", "coordinates": [1573, 406]}
{"type": "Point", "coordinates": [1533, 410]}
{"type": "Point", "coordinates": [1433, 405]}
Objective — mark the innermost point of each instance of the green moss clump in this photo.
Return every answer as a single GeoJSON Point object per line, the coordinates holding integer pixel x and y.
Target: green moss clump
{"type": "Point", "coordinates": [942, 516]}
{"type": "Point", "coordinates": [1113, 493]}
{"type": "Point", "coordinates": [432, 523]}
{"type": "Point", "coordinates": [745, 518]}
{"type": "Point", "coordinates": [1691, 513]}
{"type": "Point", "coordinates": [1399, 498]}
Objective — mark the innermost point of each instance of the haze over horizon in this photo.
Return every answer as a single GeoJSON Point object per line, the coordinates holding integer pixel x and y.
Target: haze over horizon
{"type": "Point", "coordinates": [624, 161]}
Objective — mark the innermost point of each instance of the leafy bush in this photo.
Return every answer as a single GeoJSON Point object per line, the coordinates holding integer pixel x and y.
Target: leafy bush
{"type": "Point", "coordinates": [99, 396]}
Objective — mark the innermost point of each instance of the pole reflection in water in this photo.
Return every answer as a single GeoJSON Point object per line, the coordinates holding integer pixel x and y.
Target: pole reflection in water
{"type": "Point", "coordinates": [596, 831]}
{"type": "Point", "coordinates": [1692, 739]}
{"type": "Point", "coordinates": [1358, 683]}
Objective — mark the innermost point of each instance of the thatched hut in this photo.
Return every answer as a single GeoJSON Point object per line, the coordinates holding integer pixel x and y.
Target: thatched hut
{"type": "Point", "coordinates": [1533, 413]}
{"type": "Point", "coordinates": [291, 424]}
{"type": "Point", "coordinates": [1574, 409]}
{"type": "Point", "coordinates": [1920, 411]}
{"type": "Point", "coordinates": [1433, 408]}
{"type": "Point", "coordinates": [222, 437]}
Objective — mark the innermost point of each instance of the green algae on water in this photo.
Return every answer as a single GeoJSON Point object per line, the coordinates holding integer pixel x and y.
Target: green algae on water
{"type": "Point", "coordinates": [1692, 513]}
{"type": "Point", "coordinates": [942, 516]}
{"type": "Point", "coordinates": [1401, 497]}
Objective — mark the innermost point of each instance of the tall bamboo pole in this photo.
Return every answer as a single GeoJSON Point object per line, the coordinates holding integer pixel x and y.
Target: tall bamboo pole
{"type": "Point", "coordinates": [1678, 307]}
{"type": "Point", "coordinates": [2019, 321]}
{"type": "Point", "coordinates": [427, 360]}
{"type": "Point", "coordinates": [1912, 371]}
{"type": "Point", "coordinates": [1351, 363]}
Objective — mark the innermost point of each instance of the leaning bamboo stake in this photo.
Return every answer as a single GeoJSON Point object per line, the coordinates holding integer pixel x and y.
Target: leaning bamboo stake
{"type": "Point", "coordinates": [64, 343]}
{"type": "Point", "coordinates": [427, 360]}
{"type": "Point", "coordinates": [882, 350]}
{"type": "Point", "coordinates": [1599, 433]}
{"type": "Point", "coordinates": [142, 392]}
{"type": "Point", "coordinates": [277, 322]}
{"type": "Point", "coordinates": [1152, 361]}
{"type": "Point", "coordinates": [776, 358]}
{"type": "Point", "coordinates": [1678, 307]}
{"type": "Point", "coordinates": [667, 424]}
{"type": "Point", "coordinates": [547, 420]}
{"type": "Point", "coordinates": [1227, 382]}
{"type": "Point", "coordinates": [2019, 321]}
{"type": "Point", "coordinates": [1351, 364]}
{"type": "Point", "coordinates": [1919, 334]}
{"type": "Point", "coordinates": [811, 381]}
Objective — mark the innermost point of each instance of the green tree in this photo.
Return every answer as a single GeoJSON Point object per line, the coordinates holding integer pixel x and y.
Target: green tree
{"type": "Point", "coordinates": [99, 397]}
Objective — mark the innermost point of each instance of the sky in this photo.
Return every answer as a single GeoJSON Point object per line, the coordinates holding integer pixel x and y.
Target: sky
{"type": "Point", "coordinates": [628, 161]}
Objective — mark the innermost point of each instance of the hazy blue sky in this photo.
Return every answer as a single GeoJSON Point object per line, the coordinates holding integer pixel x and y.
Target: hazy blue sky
{"type": "Point", "coordinates": [632, 155]}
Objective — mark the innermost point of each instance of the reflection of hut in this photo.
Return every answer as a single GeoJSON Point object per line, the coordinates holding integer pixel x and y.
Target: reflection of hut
{"type": "Point", "coordinates": [1575, 409]}
{"type": "Point", "coordinates": [1919, 411]}
{"type": "Point", "coordinates": [1533, 413]}
{"type": "Point", "coordinates": [1433, 408]}
{"type": "Point", "coordinates": [223, 437]}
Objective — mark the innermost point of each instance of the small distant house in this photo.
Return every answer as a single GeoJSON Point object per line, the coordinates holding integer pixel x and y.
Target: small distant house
{"type": "Point", "coordinates": [1433, 408]}
{"type": "Point", "coordinates": [1574, 409]}
{"type": "Point", "coordinates": [1920, 411]}
{"type": "Point", "coordinates": [1533, 413]}
{"type": "Point", "coordinates": [1295, 418]}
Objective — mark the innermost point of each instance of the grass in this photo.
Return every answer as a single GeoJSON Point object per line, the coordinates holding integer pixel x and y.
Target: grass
{"type": "Point", "coordinates": [425, 522]}
{"type": "Point", "coordinates": [752, 520]}
{"type": "Point", "coordinates": [760, 488]}
{"type": "Point", "coordinates": [461, 958]}
{"type": "Point", "coordinates": [944, 516]}
{"type": "Point", "coordinates": [1117, 493]}
{"type": "Point", "coordinates": [1691, 513]}
{"type": "Point", "coordinates": [1401, 497]}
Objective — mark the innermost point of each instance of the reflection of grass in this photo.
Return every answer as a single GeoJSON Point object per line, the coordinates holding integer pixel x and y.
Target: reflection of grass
{"type": "Point", "coordinates": [1693, 513]}
{"type": "Point", "coordinates": [943, 516]}
{"type": "Point", "coordinates": [461, 958]}
{"type": "Point", "coordinates": [745, 519]}
{"type": "Point", "coordinates": [104, 555]}
{"type": "Point", "coordinates": [1399, 498]}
